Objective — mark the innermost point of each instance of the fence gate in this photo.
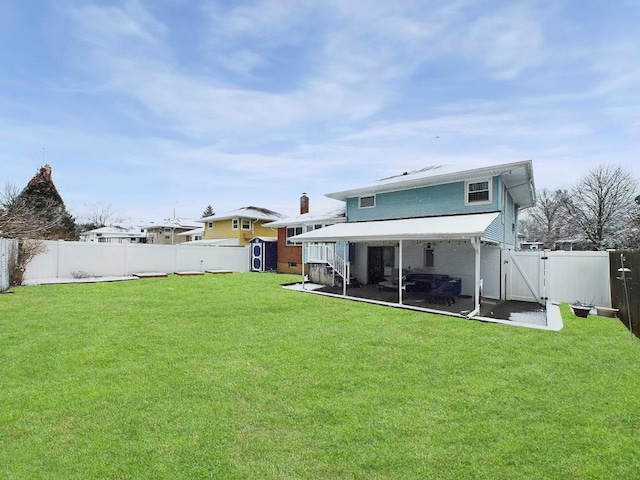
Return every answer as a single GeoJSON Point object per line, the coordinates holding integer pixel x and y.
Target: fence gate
{"type": "Point", "coordinates": [525, 276]}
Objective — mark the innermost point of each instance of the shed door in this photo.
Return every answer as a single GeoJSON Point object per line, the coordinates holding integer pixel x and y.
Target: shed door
{"type": "Point", "coordinates": [257, 264]}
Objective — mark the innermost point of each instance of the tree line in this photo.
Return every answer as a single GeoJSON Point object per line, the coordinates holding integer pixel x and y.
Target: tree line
{"type": "Point", "coordinates": [600, 212]}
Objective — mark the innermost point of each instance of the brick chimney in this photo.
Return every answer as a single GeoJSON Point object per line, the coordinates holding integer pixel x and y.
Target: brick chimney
{"type": "Point", "coordinates": [304, 204]}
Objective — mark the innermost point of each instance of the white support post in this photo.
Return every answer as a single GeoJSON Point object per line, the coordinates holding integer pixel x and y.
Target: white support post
{"type": "Point", "coordinates": [344, 281]}
{"type": "Point", "coordinates": [305, 249]}
{"type": "Point", "coordinates": [400, 287]}
{"type": "Point", "coordinates": [475, 242]}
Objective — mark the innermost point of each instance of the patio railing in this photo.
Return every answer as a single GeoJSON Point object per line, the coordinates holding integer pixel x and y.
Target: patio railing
{"type": "Point", "coordinates": [326, 253]}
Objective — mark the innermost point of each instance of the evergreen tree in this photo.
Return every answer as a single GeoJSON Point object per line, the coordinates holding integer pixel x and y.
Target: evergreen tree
{"type": "Point", "coordinates": [41, 205]}
{"type": "Point", "coordinates": [208, 211]}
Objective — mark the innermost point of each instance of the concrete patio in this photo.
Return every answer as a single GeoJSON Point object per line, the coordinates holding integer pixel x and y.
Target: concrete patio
{"type": "Point", "coordinates": [515, 313]}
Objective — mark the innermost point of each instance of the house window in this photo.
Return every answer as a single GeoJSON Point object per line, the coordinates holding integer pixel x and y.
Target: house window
{"type": "Point", "coordinates": [234, 224]}
{"type": "Point", "coordinates": [167, 230]}
{"type": "Point", "coordinates": [293, 264]}
{"type": "Point", "coordinates": [292, 231]}
{"type": "Point", "coordinates": [428, 258]}
{"type": "Point", "coordinates": [478, 192]}
{"type": "Point", "coordinates": [246, 224]}
{"type": "Point", "coordinates": [210, 224]}
{"type": "Point", "coordinates": [311, 228]}
{"type": "Point", "coordinates": [367, 202]}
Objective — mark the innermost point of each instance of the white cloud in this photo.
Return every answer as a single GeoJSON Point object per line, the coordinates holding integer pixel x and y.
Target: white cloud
{"type": "Point", "coordinates": [507, 42]}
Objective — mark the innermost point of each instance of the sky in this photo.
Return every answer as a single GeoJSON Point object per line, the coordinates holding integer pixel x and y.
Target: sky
{"type": "Point", "coordinates": [160, 108]}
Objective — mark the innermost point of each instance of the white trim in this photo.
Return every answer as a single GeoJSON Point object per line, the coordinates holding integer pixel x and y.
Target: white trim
{"type": "Point", "coordinates": [458, 227]}
{"type": "Point", "coordinates": [235, 221]}
{"type": "Point", "coordinates": [242, 220]}
{"type": "Point", "coordinates": [479, 202]}
{"type": "Point", "coordinates": [367, 196]}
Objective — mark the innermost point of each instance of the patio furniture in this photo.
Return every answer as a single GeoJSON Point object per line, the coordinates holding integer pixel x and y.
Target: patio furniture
{"type": "Point", "coordinates": [447, 291]}
{"type": "Point", "coordinates": [425, 282]}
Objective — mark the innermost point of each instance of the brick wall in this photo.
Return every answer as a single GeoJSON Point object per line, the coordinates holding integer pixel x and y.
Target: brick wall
{"type": "Point", "coordinates": [288, 254]}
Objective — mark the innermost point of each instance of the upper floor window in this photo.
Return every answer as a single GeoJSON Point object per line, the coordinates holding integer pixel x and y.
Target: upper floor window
{"type": "Point", "coordinates": [167, 230]}
{"type": "Point", "coordinates": [478, 192]}
{"type": "Point", "coordinates": [234, 224]}
{"type": "Point", "coordinates": [246, 224]}
{"type": "Point", "coordinates": [210, 224]}
{"type": "Point", "coordinates": [292, 231]}
{"type": "Point", "coordinates": [367, 202]}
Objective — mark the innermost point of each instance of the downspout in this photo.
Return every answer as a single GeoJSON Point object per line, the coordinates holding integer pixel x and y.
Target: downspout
{"type": "Point", "coordinates": [475, 242]}
{"type": "Point", "coordinates": [400, 286]}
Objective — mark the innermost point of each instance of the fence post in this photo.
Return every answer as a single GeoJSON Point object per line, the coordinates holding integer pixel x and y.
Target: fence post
{"type": "Point", "coordinates": [59, 264]}
{"type": "Point", "coordinates": [124, 259]}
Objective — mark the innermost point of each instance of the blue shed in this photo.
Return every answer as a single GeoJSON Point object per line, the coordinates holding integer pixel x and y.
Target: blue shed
{"type": "Point", "coordinates": [264, 254]}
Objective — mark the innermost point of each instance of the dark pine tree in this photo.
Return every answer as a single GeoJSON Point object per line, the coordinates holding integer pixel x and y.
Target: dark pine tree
{"type": "Point", "coordinates": [41, 199]}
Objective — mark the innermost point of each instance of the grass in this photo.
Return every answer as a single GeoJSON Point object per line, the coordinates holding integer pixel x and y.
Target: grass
{"type": "Point", "coordinates": [231, 376]}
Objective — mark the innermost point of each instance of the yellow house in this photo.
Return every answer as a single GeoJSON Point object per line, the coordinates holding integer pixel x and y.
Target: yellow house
{"type": "Point", "coordinates": [242, 225]}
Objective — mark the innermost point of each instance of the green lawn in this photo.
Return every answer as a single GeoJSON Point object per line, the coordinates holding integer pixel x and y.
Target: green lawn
{"type": "Point", "coordinates": [231, 376]}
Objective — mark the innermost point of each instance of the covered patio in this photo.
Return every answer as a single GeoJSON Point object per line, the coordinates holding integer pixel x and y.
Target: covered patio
{"type": "Point", "coordinates": [465, 256]}
{"type": "Point", "coordinates": [468, 229]}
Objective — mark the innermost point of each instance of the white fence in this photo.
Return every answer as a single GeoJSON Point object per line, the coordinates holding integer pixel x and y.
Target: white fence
{"type": "Point", "coordinates": [68, 259]}
{"type": "Point", "coordinates": [6, 247]}
{"type": "Point", "coordinates": [559, 277]}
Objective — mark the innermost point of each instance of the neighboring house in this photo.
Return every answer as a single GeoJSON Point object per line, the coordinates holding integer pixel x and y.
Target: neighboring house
{"type": "Point", "coordinates": [290, 253]}
{"type": "Point", "coordinates": [437, 222]}
{"type": "Point", "coordinates": [192, 235]}
{"type": "Point", "coordinates": [527, 245]}
{"type": "Point", "coordinates": [242, 224]}
{"type": "Point", "coordinates": [168, 232]}
{"type": "Point", "coordinates": [115, 234]}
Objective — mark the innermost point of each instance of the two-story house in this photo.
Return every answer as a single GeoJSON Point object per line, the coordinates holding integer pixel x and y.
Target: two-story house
{"type": "Point", "coordinates": [239, 226]}
{"type": "Point", "coordinates": [289, 254]}
{"type": "Point", "coordinates": [115, 234]}
{"type": "Point", "coordinates": [439, 222]}
{"type": "Point", "coordinates": [168, 232]}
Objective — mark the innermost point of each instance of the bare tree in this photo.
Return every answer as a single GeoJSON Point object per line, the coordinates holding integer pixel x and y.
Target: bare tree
{"type": "Point", "coordinates": [28, 227]}
{"type": "Point", "coordinates": [601, 205]}
{"type": "Point", "coordinates": [29, 216]}
{"type": "Point", "coordinates": [8, 195]}
{"type": "Point", "coordinates": [546, 220]}
{"type": "Point", "coordinates": [101, 215]}
{"type": "Point", "coordinates": [22, 220]}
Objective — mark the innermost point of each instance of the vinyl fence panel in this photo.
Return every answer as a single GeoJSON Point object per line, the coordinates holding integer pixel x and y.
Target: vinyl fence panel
{"type": "Point", "coordinates": [579, 276]}
{"type": "Point", "coordinates": [69, 259]}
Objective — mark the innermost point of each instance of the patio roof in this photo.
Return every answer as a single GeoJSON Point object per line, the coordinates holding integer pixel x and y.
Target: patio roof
{"type": "Point", "coordinates": [453, 227]}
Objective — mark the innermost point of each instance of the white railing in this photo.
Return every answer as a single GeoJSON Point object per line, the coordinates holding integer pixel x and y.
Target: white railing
{"type": "Point", "coordinates": [326, 253]}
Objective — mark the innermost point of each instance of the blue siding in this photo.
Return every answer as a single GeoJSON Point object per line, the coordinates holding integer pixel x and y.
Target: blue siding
{"type": "Point", "coordinates": [448, 199]}
{"type": "Point", "coordinates": [495, 231]}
